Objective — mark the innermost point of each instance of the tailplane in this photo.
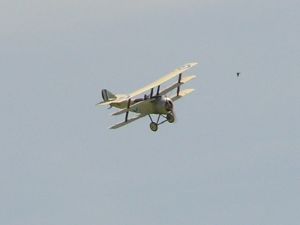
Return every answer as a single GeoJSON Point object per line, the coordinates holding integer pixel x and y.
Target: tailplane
{"type": "Point", "coordinates": [110, 98]}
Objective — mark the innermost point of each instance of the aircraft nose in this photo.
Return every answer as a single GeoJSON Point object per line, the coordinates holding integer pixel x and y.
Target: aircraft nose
{"type": "Point", "coordinates": [169, 105]}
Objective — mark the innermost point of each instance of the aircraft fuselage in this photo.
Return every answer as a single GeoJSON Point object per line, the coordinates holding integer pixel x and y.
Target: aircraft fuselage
{"type": "Point", "coordinates": [159, 105]}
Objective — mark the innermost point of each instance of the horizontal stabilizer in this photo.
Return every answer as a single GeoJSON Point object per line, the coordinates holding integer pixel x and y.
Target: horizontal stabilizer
{"type": "Point", "coordinates": [127, 122]}
{"type": "Point", "coordinates": [103, 103]}
{"type": "Point", "coordinates": [182, 94]}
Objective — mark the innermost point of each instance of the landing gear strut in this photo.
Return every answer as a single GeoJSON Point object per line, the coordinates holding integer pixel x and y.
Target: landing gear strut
{"type": "Point", "coordinates": [154, 125]}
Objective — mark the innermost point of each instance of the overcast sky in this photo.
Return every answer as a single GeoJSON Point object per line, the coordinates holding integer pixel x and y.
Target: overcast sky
{"type": "Point", "coordinates": [232, 157]}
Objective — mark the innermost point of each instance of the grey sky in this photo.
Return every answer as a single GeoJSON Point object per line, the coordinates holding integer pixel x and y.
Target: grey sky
{"type": "Point", "coordinates": [233, 156]}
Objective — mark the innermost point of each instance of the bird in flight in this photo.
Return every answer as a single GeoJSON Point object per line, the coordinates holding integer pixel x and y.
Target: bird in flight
{"type": "Point", "coordinates": [238, 74]}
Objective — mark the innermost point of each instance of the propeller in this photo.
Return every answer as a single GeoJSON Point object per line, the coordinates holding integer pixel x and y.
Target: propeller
{"type": "Point", "coordinates": [175, 117]}
{"type": "Point", "coordinates": [170, 108]}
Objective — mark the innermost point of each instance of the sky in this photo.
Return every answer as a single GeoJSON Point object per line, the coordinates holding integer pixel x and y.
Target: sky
{"type": "Point", "coordinates": [231, 158]}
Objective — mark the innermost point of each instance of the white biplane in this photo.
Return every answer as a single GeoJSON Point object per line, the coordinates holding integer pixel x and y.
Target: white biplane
{"type": "Point", "coordinates": [155, 103]}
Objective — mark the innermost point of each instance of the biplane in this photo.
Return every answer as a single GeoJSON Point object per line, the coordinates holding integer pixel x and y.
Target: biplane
{"type": "Point", "coordinates": [155, 103]}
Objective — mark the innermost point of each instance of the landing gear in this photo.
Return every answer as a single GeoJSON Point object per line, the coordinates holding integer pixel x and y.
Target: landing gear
{"type": "Point", "coordinates": [170, 117]}
{"type": "Point", "coordinates": [153, 126]}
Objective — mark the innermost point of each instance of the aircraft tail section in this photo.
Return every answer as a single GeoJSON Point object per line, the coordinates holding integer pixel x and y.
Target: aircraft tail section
{"type": "Point", "coordinates": [107, 95]}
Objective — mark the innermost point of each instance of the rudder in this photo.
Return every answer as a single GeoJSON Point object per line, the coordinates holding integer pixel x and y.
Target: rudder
{"type": "Point", "coordinates": [107, 95]}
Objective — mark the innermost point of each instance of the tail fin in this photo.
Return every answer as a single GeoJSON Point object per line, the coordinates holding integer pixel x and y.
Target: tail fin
{"type": "Point", "coordinates": [107, 95]}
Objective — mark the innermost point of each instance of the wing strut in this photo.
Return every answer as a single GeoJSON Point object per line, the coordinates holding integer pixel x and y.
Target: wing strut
{"type": "Point", "coordinates": [179, 80]}
{"type": "Point", "coordinates": [128, 105]}
{"type": "Point", "coordinates": [151, 93]}
{"type": "Point", "coordinates": [157, 92]}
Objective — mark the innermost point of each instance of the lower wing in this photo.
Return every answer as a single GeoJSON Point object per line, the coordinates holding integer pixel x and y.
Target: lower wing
{"type": "Point", "coordinates": [127, 122]}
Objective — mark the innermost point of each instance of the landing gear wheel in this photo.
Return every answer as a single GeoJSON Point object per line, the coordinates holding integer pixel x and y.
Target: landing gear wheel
{"type": "Point", "coordinates": [153, 126]}
{"type": "Point", "coordinates": [170, 118]}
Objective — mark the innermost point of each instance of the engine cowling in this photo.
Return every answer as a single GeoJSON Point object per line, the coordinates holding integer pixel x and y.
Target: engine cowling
{"type": "Point", "coordinates": [164, 105]}
{"type": "Point", "coordinates": [168, 104]}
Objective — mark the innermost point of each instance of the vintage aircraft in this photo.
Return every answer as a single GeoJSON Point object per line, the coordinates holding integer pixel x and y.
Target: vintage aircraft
{"type": "Point", "coordinates": [154, 103]}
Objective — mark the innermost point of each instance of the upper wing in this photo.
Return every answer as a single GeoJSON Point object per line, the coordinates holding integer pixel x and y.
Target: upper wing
{"type": "Point", "coordinates": [127, 122]}
{"type": "Point", "coordinates": [163, 79]}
